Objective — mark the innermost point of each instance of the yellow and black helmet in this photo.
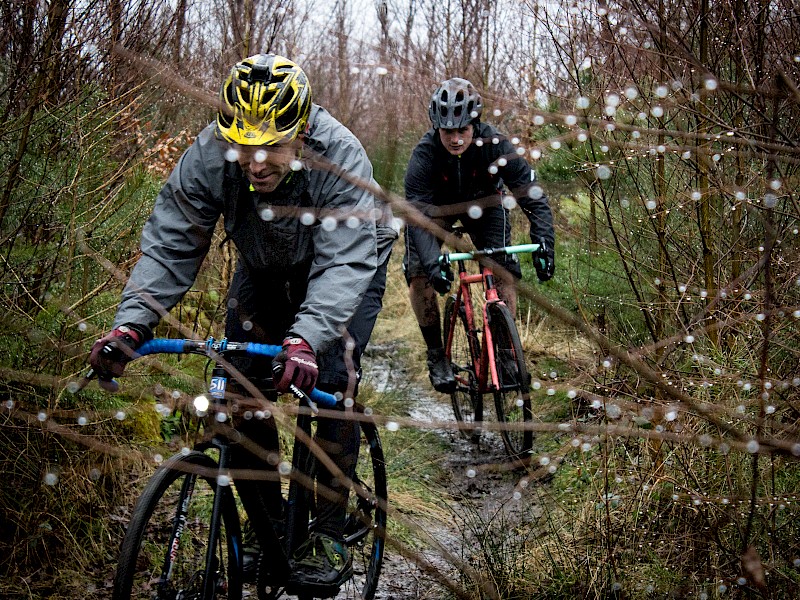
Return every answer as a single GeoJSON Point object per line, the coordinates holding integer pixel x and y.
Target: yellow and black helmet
{"type": "Point", "coordinates": [265, 100]}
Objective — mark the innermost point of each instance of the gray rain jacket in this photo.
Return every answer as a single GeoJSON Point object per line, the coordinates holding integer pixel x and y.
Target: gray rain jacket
{"type": "Point", "coordinates": [341, 261]}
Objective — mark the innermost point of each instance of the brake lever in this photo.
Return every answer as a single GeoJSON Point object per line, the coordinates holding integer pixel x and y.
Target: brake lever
{"type": "Point", "coordinates": [300, 394]}
{"type": "Point", "coordinates": [109, 385]}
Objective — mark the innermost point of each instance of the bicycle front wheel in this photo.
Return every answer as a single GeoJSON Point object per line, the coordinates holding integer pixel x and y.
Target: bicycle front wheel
{"type": "Point", "coordinates": [512, 395]}
{"type": "Point", "coordinates": [467, 402]}
{"type": "Point", "coordinates": [166, 546]}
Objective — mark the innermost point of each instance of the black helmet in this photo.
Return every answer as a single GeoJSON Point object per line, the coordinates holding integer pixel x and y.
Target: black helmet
{"type": "Point", "coordinates": [455, 104]}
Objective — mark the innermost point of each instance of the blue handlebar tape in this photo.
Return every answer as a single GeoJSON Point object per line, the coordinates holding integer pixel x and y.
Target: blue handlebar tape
{"type": "Point", "coordinates": [174, 346]}
{"type": "Point", "coordinates": [162, 346]}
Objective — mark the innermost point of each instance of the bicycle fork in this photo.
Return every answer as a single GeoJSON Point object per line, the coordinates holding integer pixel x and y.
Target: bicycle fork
{"type": "Point", "coordinates": [212, 563]}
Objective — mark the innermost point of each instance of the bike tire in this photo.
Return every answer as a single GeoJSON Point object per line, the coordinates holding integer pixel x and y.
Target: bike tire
{"type": "Point", "coordinates": [149, 536]}
{"type": "Point", "coordinates": [512, 397]}
{"type": "Point", "coordinates": [365, 525]}
{"type": "Point", "coordinates": [463, 349]}
{"type": "Point", "coordinates": [365, 528]}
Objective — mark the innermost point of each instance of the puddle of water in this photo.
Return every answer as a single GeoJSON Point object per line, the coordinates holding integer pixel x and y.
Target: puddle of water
{"type": "Point", "coordinates": [380, 371]}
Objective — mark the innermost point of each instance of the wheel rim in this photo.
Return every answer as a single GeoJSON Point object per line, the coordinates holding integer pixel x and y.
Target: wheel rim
{"type": "Point", "coordinates": [365, 527]}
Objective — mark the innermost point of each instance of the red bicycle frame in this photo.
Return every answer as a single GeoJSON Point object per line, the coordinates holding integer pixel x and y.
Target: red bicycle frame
{"type": "Point", "coordinates": [483, 357]}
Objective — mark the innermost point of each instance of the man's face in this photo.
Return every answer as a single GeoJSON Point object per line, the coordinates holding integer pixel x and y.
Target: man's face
{"type": "Point", "coordinates": [456, 141]}
{"type": "Point", "coordinates": [266, 166]}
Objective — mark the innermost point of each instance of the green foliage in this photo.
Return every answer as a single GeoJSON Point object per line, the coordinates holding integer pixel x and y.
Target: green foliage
{"type": "Point", "coordinates": [389, 159]}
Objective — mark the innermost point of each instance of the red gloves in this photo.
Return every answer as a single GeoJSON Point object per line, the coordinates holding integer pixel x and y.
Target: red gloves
{"type": "Point", "coordinates": [295, 364]}
{"type": "Point", "coordinates": [112, 352]}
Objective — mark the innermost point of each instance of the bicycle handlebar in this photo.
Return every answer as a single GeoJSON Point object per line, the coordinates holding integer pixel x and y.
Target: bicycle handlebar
{"type": "Point", "coordinates": [447, 258]}
{"type": "Point", "coordinates": [211, 346]}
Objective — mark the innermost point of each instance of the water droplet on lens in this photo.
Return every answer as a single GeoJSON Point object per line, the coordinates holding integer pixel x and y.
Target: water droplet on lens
{"type": "Point", "coordinates": [509, 202]}
{"type": "Point", "coordinates": [329, 223]}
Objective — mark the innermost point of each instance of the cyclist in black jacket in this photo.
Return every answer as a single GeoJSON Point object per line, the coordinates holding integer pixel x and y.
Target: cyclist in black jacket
{"type": "Point", "coordinates": [457, 172]}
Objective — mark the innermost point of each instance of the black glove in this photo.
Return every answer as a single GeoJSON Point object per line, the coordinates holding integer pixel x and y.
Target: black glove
{"type": "Point", "coordinates": [295, 364]}
{"type": "Point", "coordinates": [443, 282]}
{"type": "Point", "coordinates": [544, 260]}
{"type": "Point", "coordinates": [113, 351]}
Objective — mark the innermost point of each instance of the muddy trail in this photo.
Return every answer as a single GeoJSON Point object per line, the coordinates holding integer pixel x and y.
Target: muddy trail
{"type": "Point", "coordinates": [479, 493]}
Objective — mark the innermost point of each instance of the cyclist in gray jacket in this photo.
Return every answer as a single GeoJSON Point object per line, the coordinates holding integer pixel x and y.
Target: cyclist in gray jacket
{"type": "Point", "coordinates": [290, 182]}
{"type": "Point", "coordinates": [458, 171]}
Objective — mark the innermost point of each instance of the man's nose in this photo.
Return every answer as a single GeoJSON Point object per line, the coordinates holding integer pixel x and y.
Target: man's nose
{"type": "Point", "coordinates": [259, 161]}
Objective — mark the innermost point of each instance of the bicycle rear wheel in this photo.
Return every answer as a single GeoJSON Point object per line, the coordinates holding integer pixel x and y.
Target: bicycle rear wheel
{"type": "Point", "coordinates": [365, 523]}
{"type": "Point", "coordinates": [512, 397]}
{"type": "Point", "coordinates": [166, 546]}
{"type": "Point", "coordinates": [466, 400]}
{"type": "Point", "coordinates": [365, 528]}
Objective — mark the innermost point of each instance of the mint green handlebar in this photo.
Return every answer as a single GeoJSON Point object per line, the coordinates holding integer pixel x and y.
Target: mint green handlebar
{"type": "Point", "coordinates": [520, 249]}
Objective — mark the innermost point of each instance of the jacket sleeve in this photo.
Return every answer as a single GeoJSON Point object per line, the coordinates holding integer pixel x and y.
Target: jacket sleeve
{"type": "Point", "coordinates": [345, 251]}
{"type": "Point", "coordinates": [521, 180]}
{"type": "Point", "coordinates": [419, 193]}
{"type": "Point", "coordinates": [177, 235]}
